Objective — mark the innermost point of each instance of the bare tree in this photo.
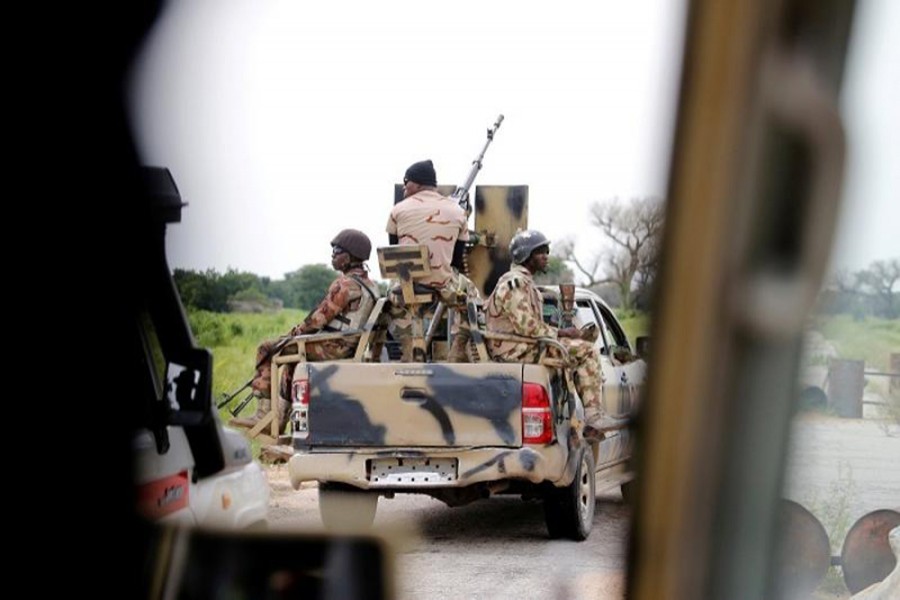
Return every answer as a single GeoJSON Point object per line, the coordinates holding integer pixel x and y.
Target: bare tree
{"type": "Point", "coordinates": [557, 272]}
{"type": "Point", "coordinates": [565, 250]}
{"type": "Point", "coordinates": [634, 230]}
{"type": "Point", "coordinates": [880, 279]}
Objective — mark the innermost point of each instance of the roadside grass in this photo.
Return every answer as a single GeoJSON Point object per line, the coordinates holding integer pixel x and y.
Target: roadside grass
{"type": "Point", "coordinates": [232, 338]}
{"type": "Point", "coordinates": [872, 340]}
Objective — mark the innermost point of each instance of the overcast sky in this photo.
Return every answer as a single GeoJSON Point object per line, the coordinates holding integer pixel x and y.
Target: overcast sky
{"type": "Point", "coordinates": [284, 122]}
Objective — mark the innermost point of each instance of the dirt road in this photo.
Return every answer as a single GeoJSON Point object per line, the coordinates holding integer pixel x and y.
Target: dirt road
{"type": "Point", "coordinates": [498, 548]}
{"type": "Point", "coordinates": [495, 548]}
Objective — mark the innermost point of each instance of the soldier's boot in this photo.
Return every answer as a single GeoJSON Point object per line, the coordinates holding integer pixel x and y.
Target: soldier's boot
{"type": "Point", "coordinates": [597, 422]}
{"type": "Point", "coordinates": [263, 406]}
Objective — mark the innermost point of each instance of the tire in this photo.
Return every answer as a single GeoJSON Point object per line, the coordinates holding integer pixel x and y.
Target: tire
{"type": "Point", "coordinates": [344, 508]}
{"type": "Point", "coordinates": [569, 511]}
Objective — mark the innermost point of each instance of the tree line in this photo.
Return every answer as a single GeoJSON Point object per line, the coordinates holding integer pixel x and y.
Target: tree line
{"type": "Point", "coordinates": [871, 291]}
{"type": "Point", "coordinates": [623, 272]}
{"type": "Point", "coordinates": [240, 291]}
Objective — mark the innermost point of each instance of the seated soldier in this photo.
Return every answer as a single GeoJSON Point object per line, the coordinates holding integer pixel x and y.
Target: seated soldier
{"type": "Point", "coordinates": [516, 307]}
{"type": "Point", "coordinates": [346, 306]}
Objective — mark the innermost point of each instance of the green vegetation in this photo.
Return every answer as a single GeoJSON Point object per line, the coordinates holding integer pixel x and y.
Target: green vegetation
{"type": "Point", "coordinates": [236, 290]}
{"type": "Point", "coordinates": [634, 323]}
{"type": "Point", "coordinates": [870, 338]}
{"type": "Point", "coordinates": [233, 338]}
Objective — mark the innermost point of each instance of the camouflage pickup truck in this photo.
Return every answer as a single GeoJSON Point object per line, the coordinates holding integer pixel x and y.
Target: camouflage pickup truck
{"type": "Point", "coordinates": [458, 432]}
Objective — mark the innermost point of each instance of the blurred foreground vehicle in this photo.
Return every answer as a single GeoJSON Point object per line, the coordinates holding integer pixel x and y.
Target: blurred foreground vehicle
{"type": "Point", "coordinates": [189, 468]}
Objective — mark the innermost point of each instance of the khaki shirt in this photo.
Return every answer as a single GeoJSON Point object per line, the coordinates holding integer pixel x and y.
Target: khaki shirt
{"type": "Point", "coordinates": [434, 220]}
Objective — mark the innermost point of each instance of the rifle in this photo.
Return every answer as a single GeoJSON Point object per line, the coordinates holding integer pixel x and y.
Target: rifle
{"type": "Point", "coordinates": [276, 348]}
{"type": "Point", "coordinates": [567, 312]}
{"type": "Point", "coordinates": [566, 305]}
{"type": "Point", "coordinates": [461, 193]}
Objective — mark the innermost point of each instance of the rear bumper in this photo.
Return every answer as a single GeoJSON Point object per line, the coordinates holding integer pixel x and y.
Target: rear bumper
{"type": "Point", "coordinates": [475, 465]}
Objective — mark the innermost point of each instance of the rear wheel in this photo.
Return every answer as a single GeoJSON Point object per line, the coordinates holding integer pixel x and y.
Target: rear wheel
{"type": "Point", "coordinates": [344, 508]}
{"type": "Point", "coordinates": [569, 511]}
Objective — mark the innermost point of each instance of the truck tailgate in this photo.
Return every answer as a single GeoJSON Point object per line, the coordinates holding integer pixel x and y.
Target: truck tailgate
{"type": "Point", "coordinates": [412, 404]}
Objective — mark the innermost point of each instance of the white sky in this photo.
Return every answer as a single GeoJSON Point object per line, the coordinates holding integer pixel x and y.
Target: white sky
{"type": "Point", "coordinates": [284, 122]}
{"type": "Point", "coordinates": [870, 214]}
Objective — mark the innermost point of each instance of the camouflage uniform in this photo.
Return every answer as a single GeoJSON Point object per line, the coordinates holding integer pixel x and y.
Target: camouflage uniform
{"type": "Point", "coordinates": [402, 318]}
{"type": "Point", "coordinates": [516, 307]}
{"type": "Point", "coordinates": [343, 299]}
{"type": "Point", "coordinates": [459, 290]}
{"type": "Point", "coordinates": [465, 290]}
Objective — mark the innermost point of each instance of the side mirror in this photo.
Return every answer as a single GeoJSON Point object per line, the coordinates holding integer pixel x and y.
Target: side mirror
{"type": "Point", "coordinates": [642, 346]}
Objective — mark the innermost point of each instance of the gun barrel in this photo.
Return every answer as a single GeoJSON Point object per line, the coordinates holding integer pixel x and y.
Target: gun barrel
{"type": "Point", "coordinates": [460, 194]}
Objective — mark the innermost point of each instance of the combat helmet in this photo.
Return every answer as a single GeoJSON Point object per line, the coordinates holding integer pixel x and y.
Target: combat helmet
{"type": "Point", "coordinates": [526, 242]}
{"type": "Point", "coordinates": [354, 242]}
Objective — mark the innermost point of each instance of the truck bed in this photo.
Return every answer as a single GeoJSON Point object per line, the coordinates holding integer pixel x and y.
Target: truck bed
{"type": "Point", "coordinates": [414, 405]}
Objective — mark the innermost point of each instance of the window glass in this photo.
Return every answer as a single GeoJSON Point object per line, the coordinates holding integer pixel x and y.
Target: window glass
{"type": "Point", "coordinates": [842, 470]}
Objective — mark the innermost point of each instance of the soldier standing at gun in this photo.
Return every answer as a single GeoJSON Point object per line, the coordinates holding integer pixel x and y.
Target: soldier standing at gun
{"type": "Point", "coordinates": [516, 307]}
{"type": "Point", "coordinates": [346, 306]}
{"type": "Point", "coordinates": [426, 217]}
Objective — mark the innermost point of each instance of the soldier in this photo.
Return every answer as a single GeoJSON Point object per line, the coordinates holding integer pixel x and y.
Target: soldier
{"type": "Point", "coordinates": [426, 217]}
{"type": "Point", "coordinates": [346, 305]}
{"type": "Point", "coordinates": [516, 307]}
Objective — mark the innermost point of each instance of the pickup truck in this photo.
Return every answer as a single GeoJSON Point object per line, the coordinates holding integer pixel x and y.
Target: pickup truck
{"type": "Point", "coordinates": [460, 432]}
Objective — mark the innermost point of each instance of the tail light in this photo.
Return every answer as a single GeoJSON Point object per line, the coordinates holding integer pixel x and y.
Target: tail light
{"type": "Point", "coordinates": [300, 408]}
{"type": "Point", "coordinates": [537, 422]}
{"type": "Point", "coordinates": [300, 392]}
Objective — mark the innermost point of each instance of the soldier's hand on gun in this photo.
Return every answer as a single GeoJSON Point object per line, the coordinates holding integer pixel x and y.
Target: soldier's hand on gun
{"type": "Point", "coordinates": [590, 332]}
{"type": "Point", "coordinates": [569, 332]}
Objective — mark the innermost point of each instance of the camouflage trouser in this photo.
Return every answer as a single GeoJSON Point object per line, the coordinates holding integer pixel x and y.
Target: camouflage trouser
{"type": "Point", "coordinates": [403, 323]}
{"type": "Point", "coordinates": [454, 295]}
{"type": "Point", "coordinates": [262, 383]}
{"type": "Point", "coordinates": [589, 376]}
{"type": "Point", "coordinates": [463, 291]}
{"type": "Point", "coordinates": [315, 351]}
{"type": "Point", "coordinates": [461, 348]}
{"type": "Point", "coordinates": [402, 318]}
